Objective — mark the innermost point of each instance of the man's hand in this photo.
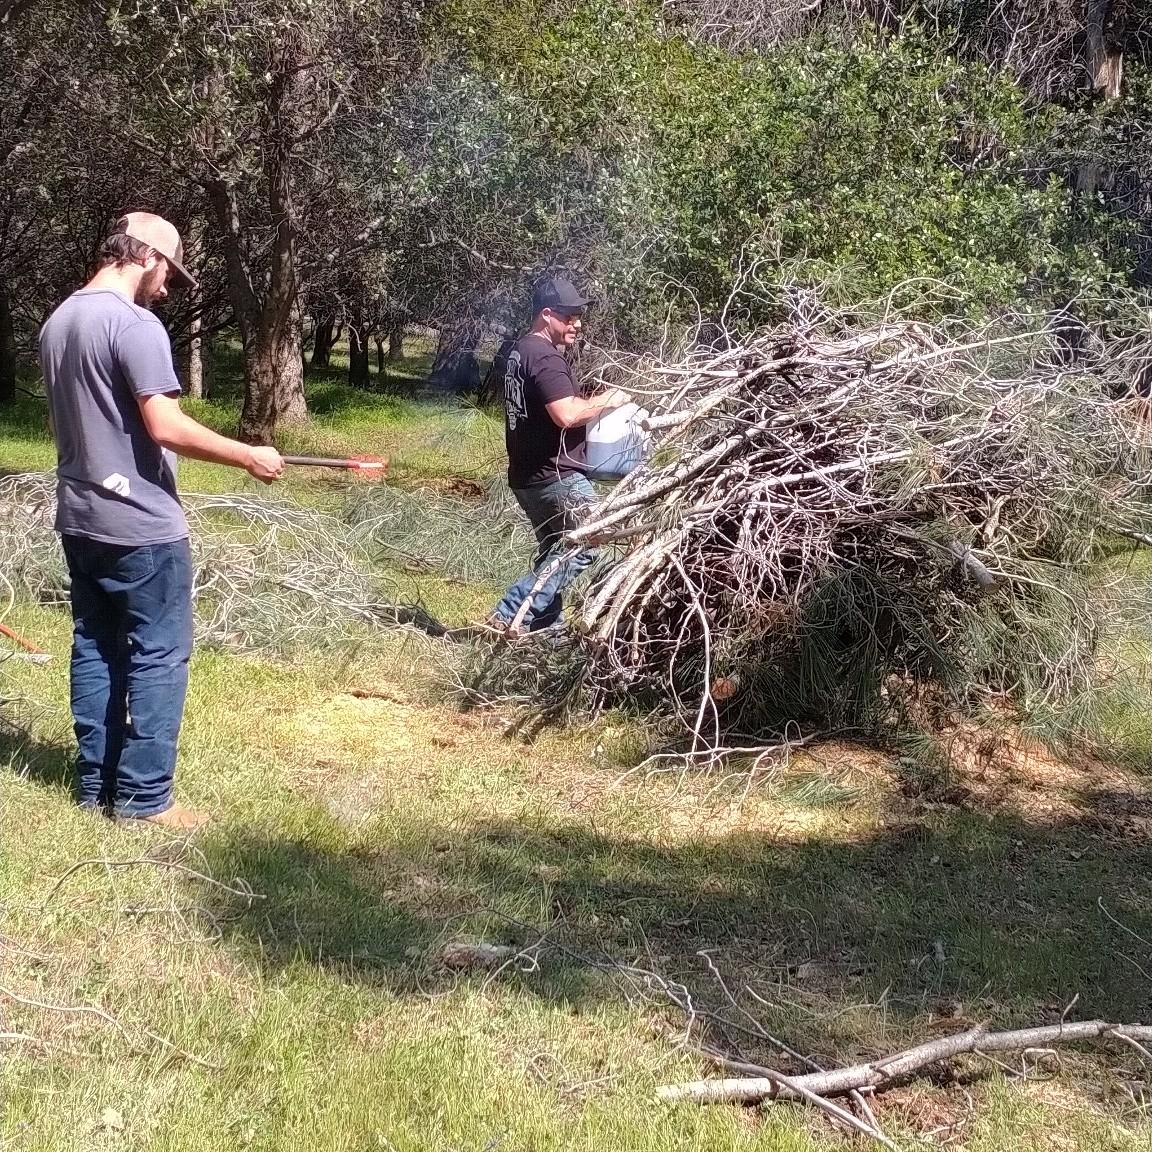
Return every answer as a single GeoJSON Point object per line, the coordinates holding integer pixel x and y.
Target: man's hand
{"type": "Point", "coordinates": [575, 411]}
{"type": "Point", "coordinates": [264, 463]}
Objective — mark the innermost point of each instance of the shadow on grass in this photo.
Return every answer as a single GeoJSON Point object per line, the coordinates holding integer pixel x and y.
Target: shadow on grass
{"type": "Point", "coordinates": [47, 763]}
{"type": "Point", "coordinates": [330, 395]}
{"type": "Point", "coordinates": [327, 387]}
{"type": "Point", "coordinates": [980, 917]}
{"type": "Point", "coordinates": [852, 945]}
{"type": "Point", "coordinates": [397, 397]}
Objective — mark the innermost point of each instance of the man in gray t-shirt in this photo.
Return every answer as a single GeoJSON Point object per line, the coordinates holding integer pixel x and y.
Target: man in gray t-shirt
{"type": "Point", "coordinates": [114, 482]}
{"type": "Point", "coordinates": [113, 403]}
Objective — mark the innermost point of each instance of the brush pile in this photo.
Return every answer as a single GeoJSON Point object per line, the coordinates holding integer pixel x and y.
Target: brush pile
{"type": "Point", "coordinates": [270, 575]}
{"type": "Point", "coordinates": [840, 511]}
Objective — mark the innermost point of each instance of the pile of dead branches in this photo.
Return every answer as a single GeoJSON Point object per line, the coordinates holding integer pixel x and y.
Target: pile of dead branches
{"type": "Point", "coordinates": [840, 511]}
{"type": "Point", "coordinates": [270, 574]}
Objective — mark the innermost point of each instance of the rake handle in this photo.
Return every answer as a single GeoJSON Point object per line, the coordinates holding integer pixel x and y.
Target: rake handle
{"type": "Point", "coordinates": [324, 462]}
{"type": "Point", "coordinates": [19, 640]}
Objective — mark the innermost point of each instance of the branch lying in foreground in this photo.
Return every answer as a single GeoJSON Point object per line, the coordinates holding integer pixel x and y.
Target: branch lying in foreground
{"type": "Point", "coordinates": [885, 1073]}
{"type": "Point", "coordinates": [108, 1018]}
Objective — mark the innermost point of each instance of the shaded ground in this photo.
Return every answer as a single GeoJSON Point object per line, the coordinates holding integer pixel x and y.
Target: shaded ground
{"type": "Point", "coordinates": [849, 920]}
{"type": "Point", "coordinates": [1002, 911]}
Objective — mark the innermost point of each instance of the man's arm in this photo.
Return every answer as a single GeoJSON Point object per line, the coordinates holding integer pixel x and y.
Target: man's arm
{"type": "Point", "coordinates": [171, 428]}
{"type": "Point", "coordinates": [575, 411]}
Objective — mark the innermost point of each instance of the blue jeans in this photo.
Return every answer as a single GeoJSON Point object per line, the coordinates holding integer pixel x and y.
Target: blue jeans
{"type": "Point", "coordinates": [553, 509]}
{"type": "Point", "coordinates": [131, 643]}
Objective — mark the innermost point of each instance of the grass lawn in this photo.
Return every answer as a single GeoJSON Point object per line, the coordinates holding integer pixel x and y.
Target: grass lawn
{"type": "Point", "coordinates": [279, 982]}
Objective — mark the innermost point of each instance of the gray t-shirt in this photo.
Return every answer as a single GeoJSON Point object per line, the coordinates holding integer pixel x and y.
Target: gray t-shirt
{"type": "Point", "coordinates": [99, 353]}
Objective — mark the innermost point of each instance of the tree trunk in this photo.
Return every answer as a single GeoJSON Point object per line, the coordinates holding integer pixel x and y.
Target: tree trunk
{"type": "Point", "coordinates": [193, 354]}
{"type": "Point", "coordinates": [1105, 53]}
{"type": "Point", "coordinates": [447, 346]}
{"type": "Point", "coordinates": [207, 365]}
{"type": "Point", "coordinates": [194, 361]}
{"type": "Point", "coordinates": [273, 375]}
{"type": "Point", "coordinates": [295, 410]}
{"type": "Point", "coordinates": [7, 350]}
{"type": "Point", "coordinates": [269, 319]}
{"type": "Point", "coordinates": [381, 367]}
{"type": "Point", "coordinates": [1105, 48]}
{"type": "Point", "coordinates": [396, 342]}
{"type": "Point", "coordinates": [322, 346]}
{"type": "Point", "coordinates": [359, 372]}
{"type": "Point", "coordinates": [492, 390]}
{"type": "Point", "coordinates": [455, 367]}
{"type": "Point", "coordinates": [273, 389]}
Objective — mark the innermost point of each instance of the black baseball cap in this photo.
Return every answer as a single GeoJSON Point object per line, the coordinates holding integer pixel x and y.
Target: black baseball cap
{"type": "Point", "coordinates": [559, 294]}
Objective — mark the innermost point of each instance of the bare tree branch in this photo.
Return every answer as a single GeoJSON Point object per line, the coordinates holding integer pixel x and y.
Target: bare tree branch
{"type": "Point", "coordinates": [878, 1075]}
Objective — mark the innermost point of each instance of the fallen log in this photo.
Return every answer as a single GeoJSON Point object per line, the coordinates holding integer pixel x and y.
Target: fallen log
{"type": "Point", "coordinates": [878, 1075]}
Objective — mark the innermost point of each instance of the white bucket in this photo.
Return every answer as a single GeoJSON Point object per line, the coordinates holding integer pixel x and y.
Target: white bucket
{"type": "Point", "coordinates": [616, 444]}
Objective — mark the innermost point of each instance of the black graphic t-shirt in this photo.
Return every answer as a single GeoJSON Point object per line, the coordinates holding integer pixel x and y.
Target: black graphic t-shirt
{"type": "Point", "coordinates": [538, 450]}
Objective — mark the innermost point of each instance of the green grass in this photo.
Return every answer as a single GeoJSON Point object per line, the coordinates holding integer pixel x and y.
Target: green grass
{"type": "Point", "coordinates": [25, 440]}
{"type": "Point", "coordinates": [373, 830]}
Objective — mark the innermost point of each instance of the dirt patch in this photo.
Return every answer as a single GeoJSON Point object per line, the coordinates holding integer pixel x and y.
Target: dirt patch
{"type": "Point", "coordinates": [936, 1115]}
{"type": "Point", "coordinates": [369, 744]}
{"type": "Point", "coordinates": [690, 815]}
{"type": "Point", "coordinates": [1121, 813]}
{"type": "Point", "coordinates": [1000, 769]}
{"type": "Point", "coordinates": [1007, 768]}
{"type": "Point", "coordinates": [471, 490]}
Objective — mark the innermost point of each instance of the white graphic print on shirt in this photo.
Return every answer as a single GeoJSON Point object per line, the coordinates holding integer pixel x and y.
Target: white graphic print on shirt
{"type": "Point", "coordinates": [514, 391]}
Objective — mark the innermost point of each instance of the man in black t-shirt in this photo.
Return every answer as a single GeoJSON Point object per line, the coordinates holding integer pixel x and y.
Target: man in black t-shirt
{"type": "Point", "coordinates": [544, 421]}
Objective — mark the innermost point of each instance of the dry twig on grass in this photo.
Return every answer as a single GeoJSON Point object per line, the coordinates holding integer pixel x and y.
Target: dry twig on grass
{"type": "Point", "coordinates": [237, 888]}
{"type": "Point", "coordinates": [107, 1018]}
{"type": "Point", "coordinates": [877, 1075]}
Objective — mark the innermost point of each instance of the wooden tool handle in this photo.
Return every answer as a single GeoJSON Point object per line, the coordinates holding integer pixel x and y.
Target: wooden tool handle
{"type": "Point", "coordinates": [364, 465]}
{"type": "Point", "coordinates": [318, 462]}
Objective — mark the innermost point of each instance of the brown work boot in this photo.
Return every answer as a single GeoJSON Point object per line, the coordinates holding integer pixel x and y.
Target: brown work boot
{"type": "Point", "coordinates": [178, 817]}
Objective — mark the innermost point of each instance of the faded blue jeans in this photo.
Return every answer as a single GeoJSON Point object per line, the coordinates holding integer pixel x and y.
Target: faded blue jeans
{"type": "Point", "coordinates": [131, 643]}
{"type": "Point", "coordinates": [553, 509]}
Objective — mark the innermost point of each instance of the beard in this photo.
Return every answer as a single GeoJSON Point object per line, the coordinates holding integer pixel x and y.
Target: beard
{"type": "Point", "coordinates": [150, 286]}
